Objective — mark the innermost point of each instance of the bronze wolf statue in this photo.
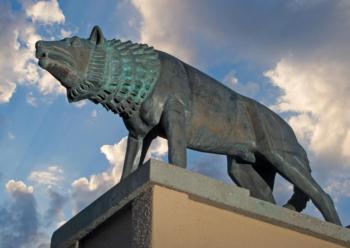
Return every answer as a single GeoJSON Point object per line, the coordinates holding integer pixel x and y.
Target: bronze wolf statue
{"type": "Point", "coordinates": [157, 94]}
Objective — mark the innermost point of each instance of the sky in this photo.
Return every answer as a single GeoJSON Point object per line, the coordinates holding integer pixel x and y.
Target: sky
{"type": "Point", "coordinates": [56, 158]}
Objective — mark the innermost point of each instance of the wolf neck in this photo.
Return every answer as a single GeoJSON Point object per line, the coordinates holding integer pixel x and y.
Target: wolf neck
{"type": "Point", "coordinates": [122, 74]}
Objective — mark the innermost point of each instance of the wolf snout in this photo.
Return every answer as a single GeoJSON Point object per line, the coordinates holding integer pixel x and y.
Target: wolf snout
{"type": "Point", "coordinates": [38, 44]}
{"type": "Point", "coordinates": [40, 53]}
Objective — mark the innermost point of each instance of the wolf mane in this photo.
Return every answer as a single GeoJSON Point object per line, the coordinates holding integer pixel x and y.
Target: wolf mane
{"type": "Point", "coordinates": [120, 76]}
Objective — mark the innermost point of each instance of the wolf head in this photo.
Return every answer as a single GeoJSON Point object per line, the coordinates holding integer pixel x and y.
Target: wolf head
{"type": "Point", "coordinates": [68, 60]}
{"type": "Point", "coordinates": [119, 75]}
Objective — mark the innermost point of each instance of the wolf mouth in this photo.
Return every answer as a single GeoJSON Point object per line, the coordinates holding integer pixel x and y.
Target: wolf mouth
{"type": "Point", "coordinates": [39, 54]}
{"type": "Point", "coordinates": [45, 58]}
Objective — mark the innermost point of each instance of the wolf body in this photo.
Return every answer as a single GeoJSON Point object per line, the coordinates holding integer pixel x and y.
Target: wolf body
{"type": "Point", "coordinates": [171, 99]}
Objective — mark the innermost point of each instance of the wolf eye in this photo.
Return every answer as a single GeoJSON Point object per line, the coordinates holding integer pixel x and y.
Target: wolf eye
{"type": "Point", "coordinates": [75, 43]}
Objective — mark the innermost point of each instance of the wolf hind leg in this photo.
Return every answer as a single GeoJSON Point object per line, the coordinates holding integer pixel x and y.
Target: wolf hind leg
{"type": "Point", "coordinates": [302, 179]}
{"type": "Point", "coordinates": [299, 199]}
{"type": "Point", "coordinates": [244, 175]}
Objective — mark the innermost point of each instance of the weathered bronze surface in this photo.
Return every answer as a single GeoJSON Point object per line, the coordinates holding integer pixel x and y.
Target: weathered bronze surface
{"type": "Point", "coordinates": [157, 94]}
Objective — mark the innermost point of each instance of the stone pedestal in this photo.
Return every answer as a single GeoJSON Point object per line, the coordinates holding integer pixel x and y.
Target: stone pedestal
{"type": "Point", "coordinates": [162, 206]}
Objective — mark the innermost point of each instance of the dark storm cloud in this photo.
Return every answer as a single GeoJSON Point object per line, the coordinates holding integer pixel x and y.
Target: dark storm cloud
{"type": "Point", "coordinates": [19, 221]}
{"type": "Point", "coordinates": [54, 213]}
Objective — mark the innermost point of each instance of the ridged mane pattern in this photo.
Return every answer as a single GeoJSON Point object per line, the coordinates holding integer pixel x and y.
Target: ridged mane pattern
{"type": "Point", "coordinates": [120, 76]}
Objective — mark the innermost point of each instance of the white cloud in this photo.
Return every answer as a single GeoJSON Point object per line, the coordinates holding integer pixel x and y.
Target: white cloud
{"type": "Point", "coordinates": [47, 12]}
{"type": "Point", "coordinates": [158, 149]}
{"type": "Point", "coordinates": [162, 30]}
{"type": "Point", "coordinates": [13, 186]}
{"type": "Point", "coordinates": [52, 176]}
{"type": "Point", "coordinates": [47, 84]}
{"type": "Point", "coordinates": [94, 182]}
{"type": "Point", "coordinates": [65, 33]}
{"type": "Point", "coordinates": [115, 154]}
{"type": "Point", "coordinates": [339, 187]}
{"type": "Point", "coordinates": [80, 104]}
{"type": "Point", "coordinates": [85, 190]}
{"type": "Point", "coordinates": [318, 91]}
{"type": "Point", "coordinates": [18, 65]}
{"type": "Point", "coordinates": [7, 89]}
{"type": "Point", "coordinates": [346, 145]}
{"type": "Point", "coordinates": [303, 125]}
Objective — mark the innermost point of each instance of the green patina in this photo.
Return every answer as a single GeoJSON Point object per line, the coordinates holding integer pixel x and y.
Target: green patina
{"type": "Point", "coordinates": [120, 76]}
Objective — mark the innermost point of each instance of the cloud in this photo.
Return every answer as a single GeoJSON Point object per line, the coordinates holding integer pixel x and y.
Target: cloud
{"type": "Point", "coordinates": [339, 187]}
{"type": "Point", "coordinates": [115, 155]}
{"type": "Point", "coordinates": [56, 198]}
{"type": "Point", "coordinates": [165, 31]}
{"type": "Point", "coordinates": [54, 215]}
{"type": "Point", "coordinates": [158, 149]}
{"type": "Point", "coordinates": [47, 12]}
{"type": "Point", "coordinates": [80, 104]}
{"type": "Point", "coordinates": [318, 92]}
{"type": "Point", "coordinates": [18, 65]}
{"type": "Point", "coordinates": [85, 190]}
{"type": "Point", "coordinates": [7, 89]}
{"type": "Point", "coordinates": [19, 218]}
{"type": "Point", "coordinates": [22, 223]}
{"type": "Point", "coordinates": [52, 176]}
{"type": "Point", "coordinates": [259, 31]}
{"type": "Point", "coordinates": [47, 84]}
{"type": "Point", "coordinates": [314, 89]}
{"type": "Point", "coordinates": [65, 33]}
{"type": "Point", "coordinates": [15, 187]}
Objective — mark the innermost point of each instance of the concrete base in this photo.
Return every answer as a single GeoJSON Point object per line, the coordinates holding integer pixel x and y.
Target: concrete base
{"type": "Point", "coordinates": [163, 206]}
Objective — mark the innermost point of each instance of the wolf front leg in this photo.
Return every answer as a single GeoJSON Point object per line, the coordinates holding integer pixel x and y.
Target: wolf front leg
{"type": "Point", "coordinates": [175, 131]}
{"type": "Point", "coordinates": [132, 156]}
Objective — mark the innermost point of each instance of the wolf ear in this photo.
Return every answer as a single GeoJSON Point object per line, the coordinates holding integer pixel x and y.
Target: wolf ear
{"type": "Point", "coordinates": [96, 36]}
